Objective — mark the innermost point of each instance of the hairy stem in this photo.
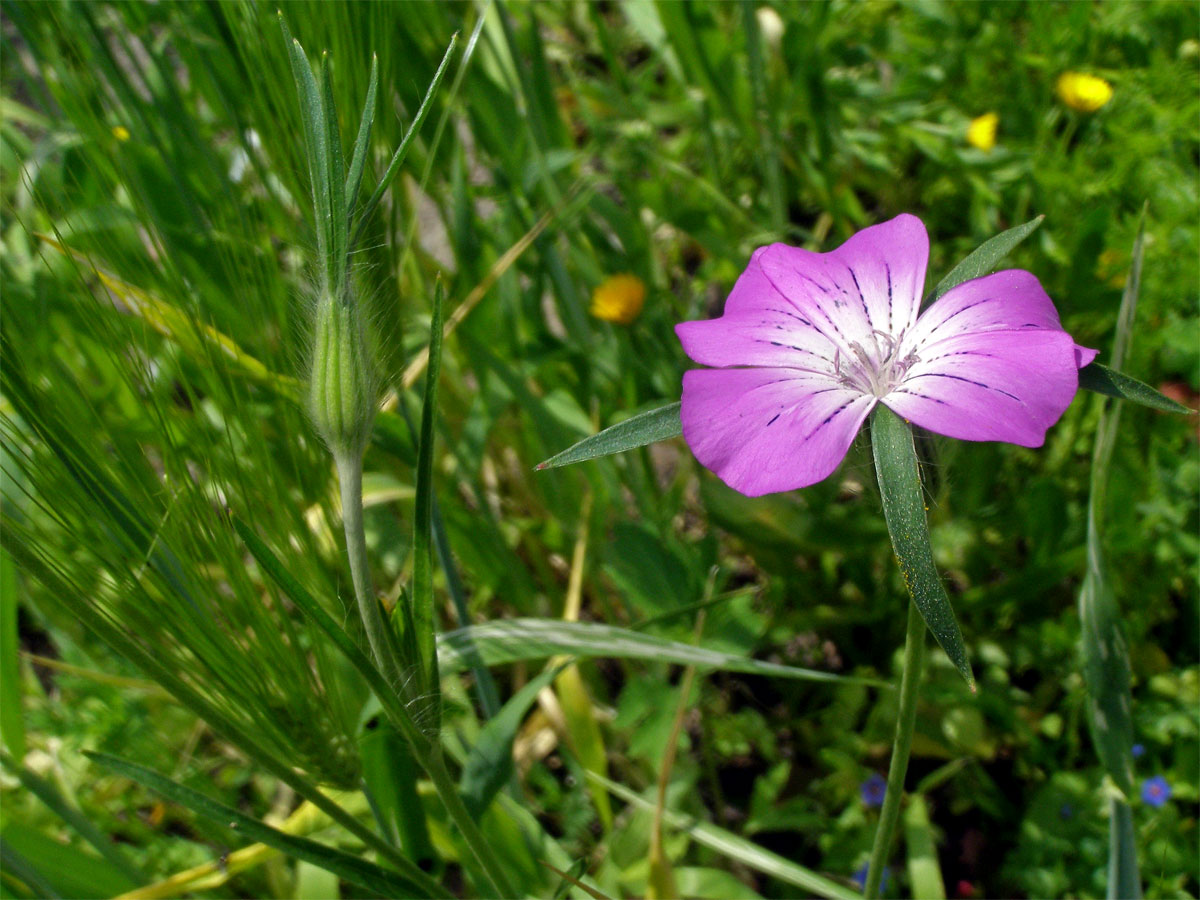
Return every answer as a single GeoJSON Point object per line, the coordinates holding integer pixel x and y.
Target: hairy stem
{"type": "Point", "coordinates": [910, 679]}
{"type": "Point", "coordinates": [425, 749]}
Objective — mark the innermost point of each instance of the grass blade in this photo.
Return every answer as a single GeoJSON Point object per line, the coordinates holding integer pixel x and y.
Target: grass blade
{"type": "Point", "coordinates": [362, 143]}
{"type": "Point", "coordinates": [12, 720]}
{"type": "Point", "coordinates": [316, 149]}
{"type": "Point", "coordinates": [984, 258]}
{"type": "Point", "coordinates": [514, 640]}
{"type": "Point", "coordinates": [738, 848]}
{"type": "Point", "coordinates": [402, 151]}
{"type": "Point", "coordinates": [924, 872]}
{"type": "Point", "coordinates": [1106, 667]}
{"type": "Point", "coordinates": [56, 802]}
{"type": "Point", "coordinates": [1111, 383]}
{"type": "Point", "coordinates": [490, 763]}
{"type": "Point", "coordinates": [422, 594]}
{"type": "Point", "coordinates": [904, 510]}
{"type": "Point", "coordinates": [645, 428]}
{"type": "Point", "coordinates": [352, 868]}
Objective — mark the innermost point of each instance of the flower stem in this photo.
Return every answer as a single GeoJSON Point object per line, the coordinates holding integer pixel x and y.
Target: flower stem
{"type": "Point", "coordinates": [349, 469]}
{"type": "Point", "coordinates": [426, 750]}
{"type": "Point", "coordinates": [910, 679]}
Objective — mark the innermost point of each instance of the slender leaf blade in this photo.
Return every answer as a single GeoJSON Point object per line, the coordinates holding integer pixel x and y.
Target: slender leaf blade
{"type": "Point", "coordinates": [514, 640]}
{"type": "Point", "coordinates": [338, 226]}
{"type": "Point", "coordinates": [490, 762]}
{"type": "Point", "coordinates": [402, 151]}
{"type": "Point", "coordinates": [983, 259]}
{"type": "Point", "coordinates": [422, 595]}
{"type": "Point", "coordinates": [645, 428]}
{"type": "Point", "coordinates": [924, 871]}
{"type": "Point", "coordinates": [362, 143]}
{"type": "Point", "coordinates": [738, 848]}
{"type": "Point", "coordinates": [1105, 654]}
{"type": "Point", "coordinates": [354, 869]}
{"type": "Point", "coordinates": [1111, 383]}
{"type": "Point", "coordinates": [904, 510]}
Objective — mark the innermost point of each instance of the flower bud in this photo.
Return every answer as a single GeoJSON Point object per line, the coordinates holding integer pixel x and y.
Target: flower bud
{"type": "Point", "coordinates": [342, 383]}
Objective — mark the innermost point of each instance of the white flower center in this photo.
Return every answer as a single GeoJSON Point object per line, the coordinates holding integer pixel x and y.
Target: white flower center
{"type": "Point", "coordinates": [876, 366]}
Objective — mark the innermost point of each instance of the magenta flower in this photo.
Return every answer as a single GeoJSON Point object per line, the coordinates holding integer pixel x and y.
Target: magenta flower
{"type": "Point", "coordinates": [810, 342]}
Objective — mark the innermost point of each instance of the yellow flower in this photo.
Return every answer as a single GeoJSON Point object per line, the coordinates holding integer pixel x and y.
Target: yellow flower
{"type": "Point", "coordinates": [981, 132]}
{"type": "Point", "coordinates": [619, 299]}
{"type": "Point", "coordinates": [1086, 93]}
{"type": "Point", "coordinates": [121, 133]}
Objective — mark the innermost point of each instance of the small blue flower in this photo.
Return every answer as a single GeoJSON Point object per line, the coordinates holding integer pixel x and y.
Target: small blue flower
{"type": "Point", "coordinates": [873, 791]}
{"type": "Point", "coordinates": [1156, 791]}
{"type": "Point", "coordinates": [1139, 751]}
{"type": "Point", "coordinates": [860, 877]}
{"type": "Point", "coordinates": [1066, 811]}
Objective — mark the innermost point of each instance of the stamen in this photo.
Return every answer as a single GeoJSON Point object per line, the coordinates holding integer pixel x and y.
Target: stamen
{"type": "Point", "coordinates": [875, 368]}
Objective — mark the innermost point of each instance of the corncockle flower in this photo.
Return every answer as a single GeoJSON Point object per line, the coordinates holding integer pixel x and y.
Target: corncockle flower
{"type": "Point", "coordinates": [873, 791]}
{"type": "Point", "coordinates": [810, 342]}
{"type": "Point", "coordinates": [1156, 791]}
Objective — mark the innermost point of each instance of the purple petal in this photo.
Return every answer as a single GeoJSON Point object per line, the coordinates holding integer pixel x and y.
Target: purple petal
{"type": "Point", "coordinates": [759, 328]}
{"type": "Point", "coordinates": [873, 282]}
{"type": "Point", "coordinates": [1010, 299]}
{"type": "Point", "coordinates": [1008, 385]}
{"type": "Point", "coordinates": [764, 430]}
{"type": "Point", "coordinates": [1083, 356]}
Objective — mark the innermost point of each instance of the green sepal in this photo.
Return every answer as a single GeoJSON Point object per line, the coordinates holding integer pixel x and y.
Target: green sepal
{"type": "Point", "coordinates": [904, 511]}
{"type": "Point", "coordinates": [645, 428]}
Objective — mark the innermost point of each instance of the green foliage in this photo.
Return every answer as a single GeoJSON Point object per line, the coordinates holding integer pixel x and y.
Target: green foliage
{"type": "Point", "coordinates": [161, 261]}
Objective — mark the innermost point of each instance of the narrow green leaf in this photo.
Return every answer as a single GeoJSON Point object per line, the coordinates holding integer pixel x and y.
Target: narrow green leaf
{"type": "Point", "coordinates": [904, 510]}
{"type": "Point", "coordinates": [514, 640]}
{"type": "Point", "coordinates": [391, 775]}
{"type": "Point", "coordinates": [56, 802]}
{"type": "Point", "coordinates": [737, 848]}
{"type": "Point", "coordinates": [983, 259]}
{"type": "Point", "coordinates": [1106, 667]}
{"type": "Point", "coordinates": [1124, 883]}
{"type": "Point", "coordinates": [354, 869]}
{"type": "Point", "coordinates": [296, 592]}
{"type": "Point", "coordinates": [490, 763]}
{"type": "Point", "coordinates": [422, 595]}
{"type": "Point", "coordinates": [12, 719]}
{"type": "Point", "coordinates": [362, 143]}
{"type": "Point", "coordinates": [924, 872]}
{"type": "Point", "coordinates": [17, 866]}
{"type": "Point", "coordinates": [402, 151]}
{"type": "Point", "coordinates": [645, 428]}
{"type": "Point", "coordinates": [313, 118]}
{"type": "Point", "coordinates": [1103, 380]}
{"type": "Point", "coordinates": [338, 225]}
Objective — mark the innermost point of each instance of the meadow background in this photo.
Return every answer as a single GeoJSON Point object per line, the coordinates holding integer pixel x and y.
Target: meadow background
{"type": "Point", "coordinates": [157, 242]}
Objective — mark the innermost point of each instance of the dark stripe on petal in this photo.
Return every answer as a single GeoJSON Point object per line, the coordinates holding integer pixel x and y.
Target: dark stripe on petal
{"type": "Point", "coordinates": [888, 270]}
{"type": "Point", "coordinates": [861, 298]}
{"type": "Point", "coordinates": [969, 381]}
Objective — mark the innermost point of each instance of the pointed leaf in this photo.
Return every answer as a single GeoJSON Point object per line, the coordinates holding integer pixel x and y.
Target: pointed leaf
{"type": "Point", "coordinates": [338, 226]}
{"type": "Point", "coordinates": [984, 258]}
{"type": "Point", "coordinates": [1103, 380]}
{"type": "Point", "coordinates": [362, 143]}
{"type": "Point", "coordinates": [402, 150]}
{"type": "Point", "coordinates": [904, 510]}
{"type": "Point", "coordinates": [645, 428]}
{"type": "Point", "coordinates": [490, 763]}
{"type": "Point", "coordinates": [354, 869]}
{"type": "Point", "coordinates": [738, 848]}
{"type": "Point", "coordinates": [514, 640]}
{"type": "Point", "coordinates": [422, 595]}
